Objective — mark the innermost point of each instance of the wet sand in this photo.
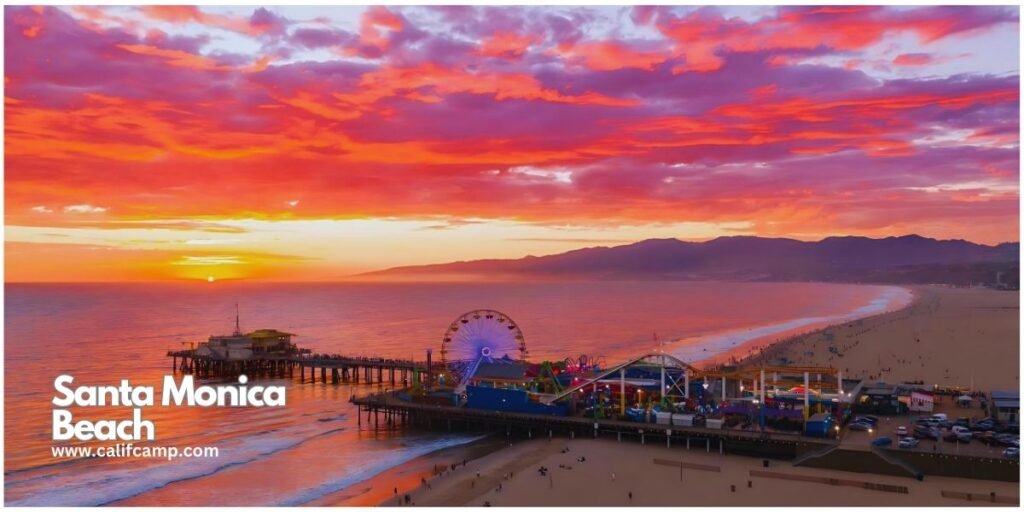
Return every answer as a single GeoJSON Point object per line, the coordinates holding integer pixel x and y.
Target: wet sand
{"type": "Point", "coordinates": [591, 483]}
{"type": "Point", "coordinates": [952, 337]}
{"type": "Point", "coordinates": [388, 486]}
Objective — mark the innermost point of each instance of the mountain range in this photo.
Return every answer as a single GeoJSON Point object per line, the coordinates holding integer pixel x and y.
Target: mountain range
{"type": "Point", "coordinates": [903, 259]}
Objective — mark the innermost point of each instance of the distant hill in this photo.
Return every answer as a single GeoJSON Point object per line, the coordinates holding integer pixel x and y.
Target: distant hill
{"type": "Point", "coordinates": [904, 259]}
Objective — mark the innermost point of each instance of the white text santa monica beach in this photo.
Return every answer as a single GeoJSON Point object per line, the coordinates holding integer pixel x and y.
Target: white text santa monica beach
{"type": "Point", "coordinates": [126, 395]}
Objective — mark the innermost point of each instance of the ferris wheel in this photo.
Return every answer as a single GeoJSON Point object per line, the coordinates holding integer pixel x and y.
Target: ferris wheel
{"type": "Point", "coordinates": [482, 335]}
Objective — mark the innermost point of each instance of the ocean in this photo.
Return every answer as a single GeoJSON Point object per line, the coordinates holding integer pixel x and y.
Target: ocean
{"type": "Point", "coordinates": [293, 455]}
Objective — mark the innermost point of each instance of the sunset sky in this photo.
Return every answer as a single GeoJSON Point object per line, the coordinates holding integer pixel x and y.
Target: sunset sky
{"type": "Point", "coordinates": [163, 143]}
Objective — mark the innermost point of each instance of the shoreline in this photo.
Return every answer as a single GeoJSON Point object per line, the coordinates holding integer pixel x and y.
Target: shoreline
{"type": "Point", "coordinates": [380, 488]}
{"type": "Point", "coordinates": [946, 336]}
{"type": "Point", "coordinates": [782, 332]}
{"type": "Point", "coordinates": [757, 353]}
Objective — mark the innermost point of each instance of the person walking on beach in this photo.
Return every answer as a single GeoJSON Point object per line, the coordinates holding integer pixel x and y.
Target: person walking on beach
{"type": "Point", "coordinates": [613, 476]}
{"type": "Point", "coordinates": [630, 495]}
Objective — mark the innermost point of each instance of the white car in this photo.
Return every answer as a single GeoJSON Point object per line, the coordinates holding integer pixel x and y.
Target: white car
{"type": "Point", "coordinates": [901, 431]}
{"type": "Point", "coordinates": [908, 442]}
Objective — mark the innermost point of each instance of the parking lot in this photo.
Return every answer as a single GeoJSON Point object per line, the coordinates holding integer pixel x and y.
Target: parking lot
{"type": "Point", "coordinates": [887, 425]}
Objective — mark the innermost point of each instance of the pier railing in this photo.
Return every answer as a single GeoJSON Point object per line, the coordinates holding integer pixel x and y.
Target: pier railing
{"type": "Point", "coordinates": [342, 367]}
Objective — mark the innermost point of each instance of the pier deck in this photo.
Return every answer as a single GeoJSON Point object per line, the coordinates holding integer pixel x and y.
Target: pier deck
{"type": "Point", "coordinates": [342, 368]}
{"type": "Point", "coordinates": [444, 417]}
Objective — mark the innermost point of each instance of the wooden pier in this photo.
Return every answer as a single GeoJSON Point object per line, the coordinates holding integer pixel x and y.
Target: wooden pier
{"type": "Point", "coordinates": [336, 368]}
{"type": "Point", "coordinates": [387, 410]}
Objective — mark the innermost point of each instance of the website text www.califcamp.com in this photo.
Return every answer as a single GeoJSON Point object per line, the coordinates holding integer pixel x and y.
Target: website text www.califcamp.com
{"type": "Point", "coordinates": [132, 451]}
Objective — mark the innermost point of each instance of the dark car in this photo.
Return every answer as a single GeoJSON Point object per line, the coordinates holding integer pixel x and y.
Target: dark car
{"type": "Point", "coordinates": [983, 437]}
{"type": "Point", "coordinates": [864, 418]}
{"type": "Point", "coordinates": [1007, 439]}
{"type": "Point", "coordinates": [954, 437]}
{"type": "Point", "coordinates": [859, 425]}
{"type": "Point", "coordinates": [882, 441]}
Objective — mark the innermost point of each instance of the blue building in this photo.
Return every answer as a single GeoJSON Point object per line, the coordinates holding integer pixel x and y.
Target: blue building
{"type": "Point", "coordinates": [819, 425]}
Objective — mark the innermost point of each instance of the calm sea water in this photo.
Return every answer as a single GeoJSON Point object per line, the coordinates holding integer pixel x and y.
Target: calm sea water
{"type": "Point", "coordinates": [311, 448]}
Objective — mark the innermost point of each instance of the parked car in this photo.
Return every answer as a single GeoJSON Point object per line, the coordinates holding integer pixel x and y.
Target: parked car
{"type": "Point", "coordinates": [984, 424]}
{"type": "Point", "coordinates": [1008, 439]}
{"type": "Point", "coordinates": [940, 417]}
{"type": "Point", "coordinates": [908, 443]}
{"type": "Point", "coordinates": [986, 437]}
{"type": "Point", "coordinates": [962, 421]}
{"type": "Point", "coordinates": [867, 418]}
{"type": "Point", "coordinates": [901, 431]}
{"type": "Point", "coordinates": [954, 436]}
{"type": "Point", "coordinates": [1011, 453]}
{"type": "Point", "coordinates": [857, 425]}
{"type": "Point", "coordinates": [882, 441]}
{"type": "Point", "coordinates": [1009, 429]}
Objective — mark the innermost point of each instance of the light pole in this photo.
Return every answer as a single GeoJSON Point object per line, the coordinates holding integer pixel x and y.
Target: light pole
{"type": "Point", "coordinates": [760, 407]}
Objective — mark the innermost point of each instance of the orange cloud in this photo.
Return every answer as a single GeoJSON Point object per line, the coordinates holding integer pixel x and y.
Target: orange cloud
{"type": "Point", "coordinates": [508, 45]}
{"type": "Point", "coordinates": [181, 14]}
{"type": "Point", "coordinates": [611, 55]}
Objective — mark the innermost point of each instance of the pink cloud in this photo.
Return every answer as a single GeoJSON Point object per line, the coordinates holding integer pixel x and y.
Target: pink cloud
{"type": "Point", "coordinates": [715, 121]}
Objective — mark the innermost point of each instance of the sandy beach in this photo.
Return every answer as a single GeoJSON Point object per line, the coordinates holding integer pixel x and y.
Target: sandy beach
{"type": "Point", "coordinates": [613, 470]}
{"type": "Point", "coordinates": [953, 337]}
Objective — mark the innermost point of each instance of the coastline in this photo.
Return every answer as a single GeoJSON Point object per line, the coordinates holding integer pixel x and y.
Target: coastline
{"type": "Point", "coordinates": [739, 345]}
{"type": "Point", "coordinates": [380, 489]}
{"type": "Point", "coordinates": [949, 337]}
{"type": "Point", "coordinates": [760, 350]}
